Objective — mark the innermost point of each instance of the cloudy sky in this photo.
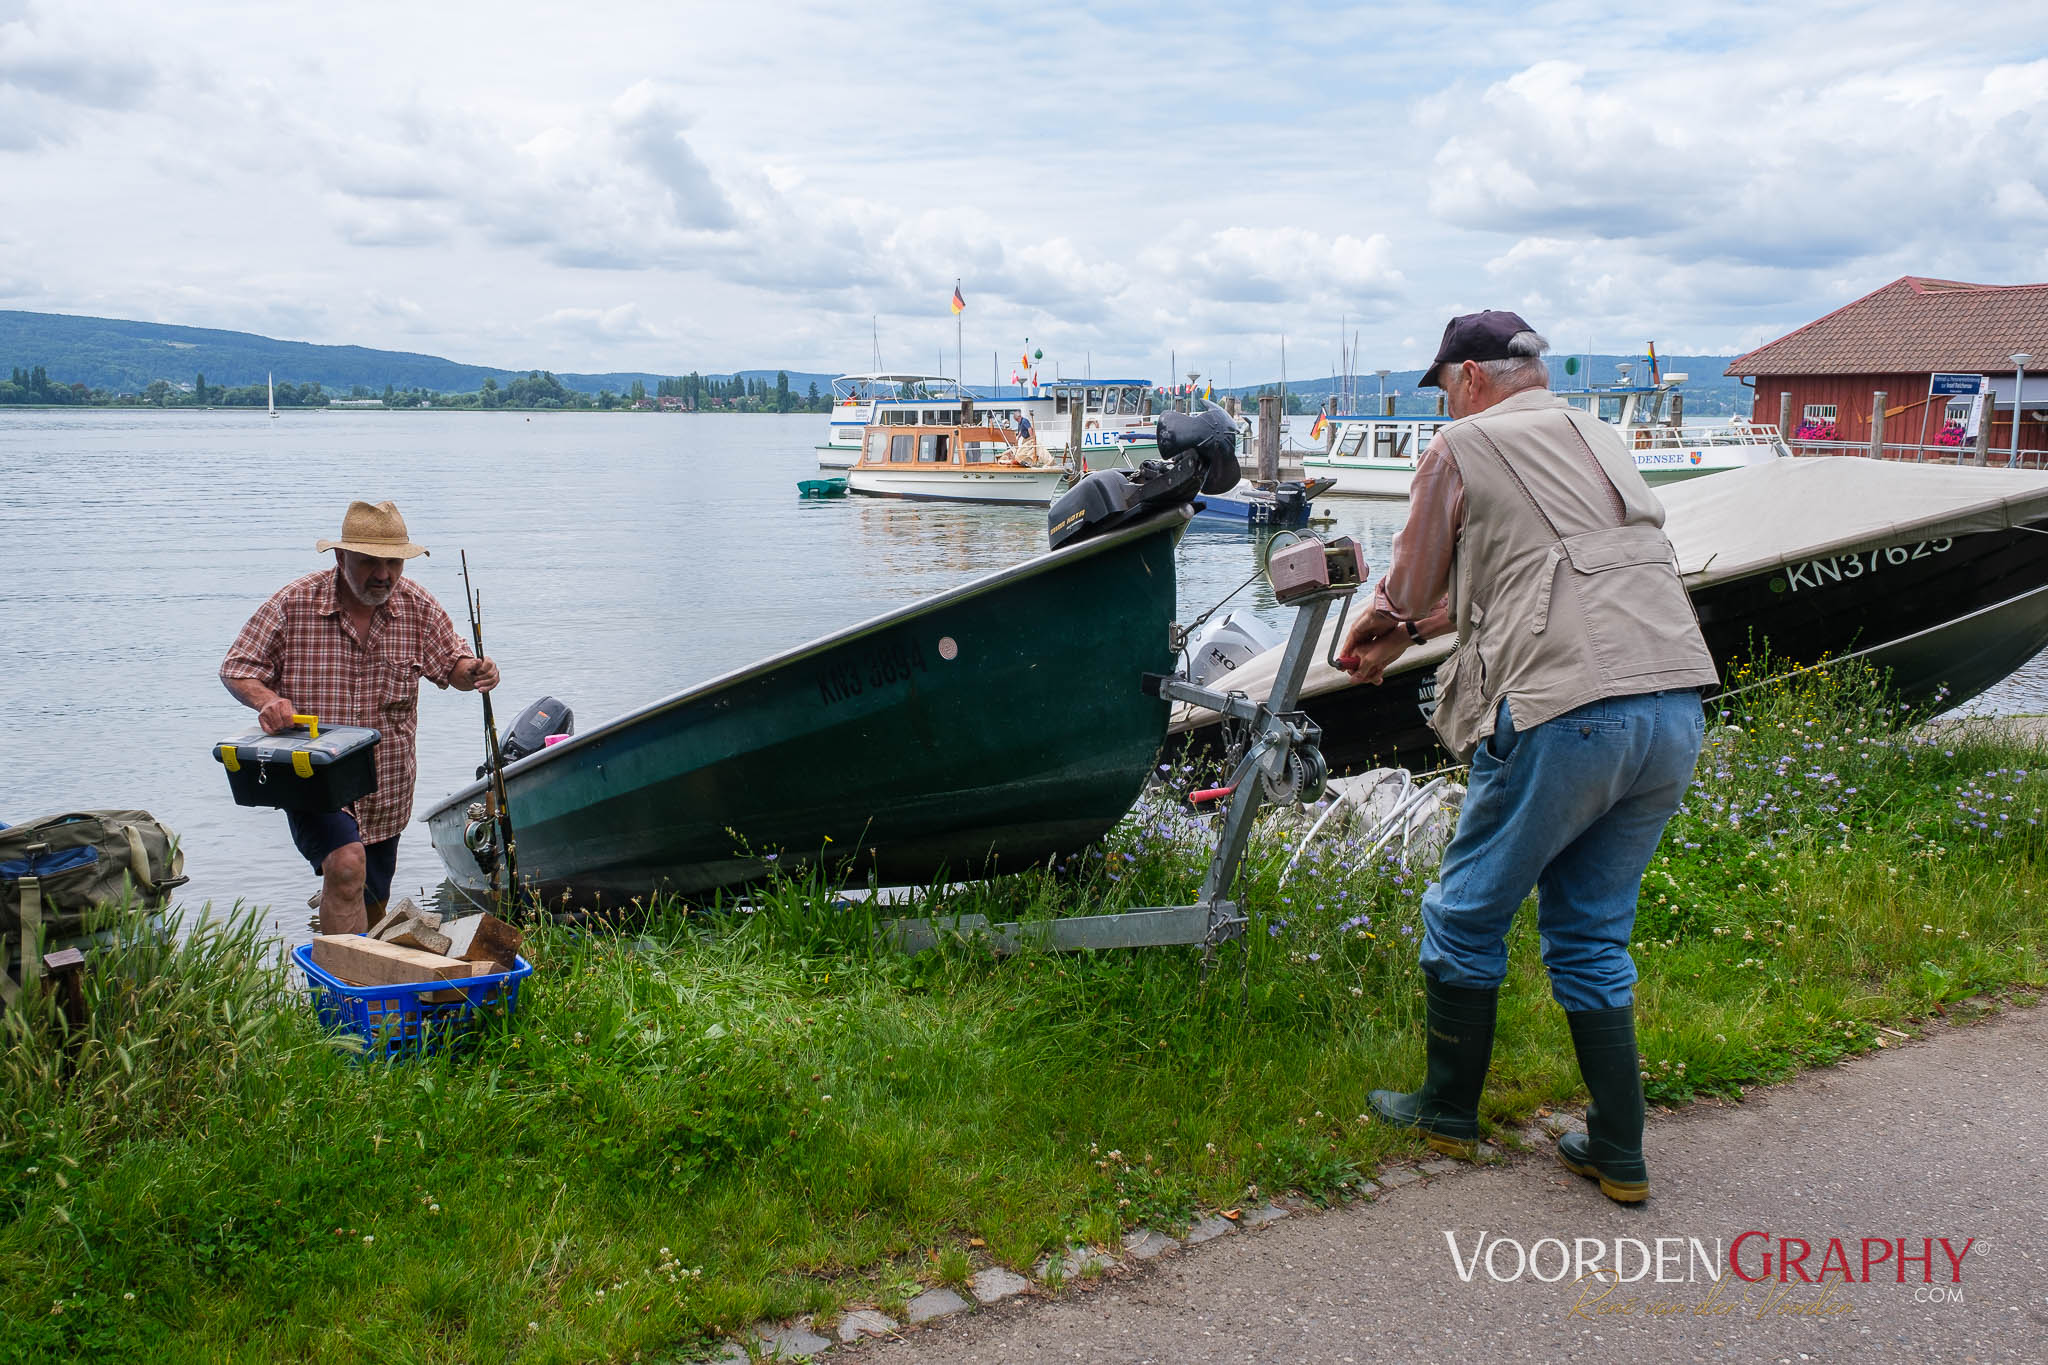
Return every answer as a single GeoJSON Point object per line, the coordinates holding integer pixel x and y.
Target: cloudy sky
{"type": "Point", "coordinates": [674, 186]}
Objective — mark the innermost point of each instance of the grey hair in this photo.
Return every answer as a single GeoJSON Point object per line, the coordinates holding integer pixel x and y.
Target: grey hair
{"type": "Point", "coordinates": [1524, 367]}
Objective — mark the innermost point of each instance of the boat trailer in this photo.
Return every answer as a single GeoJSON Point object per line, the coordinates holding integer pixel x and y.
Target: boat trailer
{"type": "Point", "coordinates": [1276, 759]}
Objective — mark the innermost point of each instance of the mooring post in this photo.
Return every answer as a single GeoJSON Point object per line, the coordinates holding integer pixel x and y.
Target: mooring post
{"type": "Point", "coordinates": [1269, 438]}
{"type": "Point", "coordinates": [1076, 404]}
{"type": "Point", "coordinates": [1877, 425]}
{"type": "Point", "coordinates": [1785, 418]}
{"type": "Point", "coordinates": [1984, 428]}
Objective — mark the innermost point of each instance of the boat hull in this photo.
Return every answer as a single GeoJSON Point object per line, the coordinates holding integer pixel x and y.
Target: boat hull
{"type": "Point", "coordinates": [838, 457]}
{"type": "Point", "coordinates": [991, 483]}
{"type": "Point", "coordinates": [988, 728]}
{"type": "Point", "coordinates": [1945, 619]}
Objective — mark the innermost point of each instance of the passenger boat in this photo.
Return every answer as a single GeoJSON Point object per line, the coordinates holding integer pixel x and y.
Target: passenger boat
{"type": "Point", "coordinates": [857, 397]}
{"type": "Point", "coordinates": [1935, 575]}
{"type": "Point", "coordinates": [1375, 456]}
{"type": "Point", "coordinates": [1108, 422]}
{"type": "Point", "coordinates": [989, 727]}
{"type": "Point", "coordinates": [971, 462]}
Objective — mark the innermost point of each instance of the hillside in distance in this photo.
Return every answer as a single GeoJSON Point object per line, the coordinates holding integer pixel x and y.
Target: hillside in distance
{"type": "Point", "coordinates": [123, 356]}
{"type": "Point", "coordinates": [1708, 392]}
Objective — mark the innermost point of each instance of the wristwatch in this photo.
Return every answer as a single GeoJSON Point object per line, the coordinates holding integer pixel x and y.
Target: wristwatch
{"type": "Point", "coordinates": [1413, 633]}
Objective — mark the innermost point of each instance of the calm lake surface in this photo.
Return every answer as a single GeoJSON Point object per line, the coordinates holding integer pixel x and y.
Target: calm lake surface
{"type": "Point", "coordinates": [621, 557]}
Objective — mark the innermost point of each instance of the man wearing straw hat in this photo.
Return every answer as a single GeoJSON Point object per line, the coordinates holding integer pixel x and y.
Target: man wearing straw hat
{"type": "Point", "coordinates": [350, 644]}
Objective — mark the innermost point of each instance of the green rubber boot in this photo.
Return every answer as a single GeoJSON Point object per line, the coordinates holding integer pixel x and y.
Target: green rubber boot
{"type": "Point", "coordinates": [1611, 1149]}
{"type": "Point", "coordinates": [1460, 1045]}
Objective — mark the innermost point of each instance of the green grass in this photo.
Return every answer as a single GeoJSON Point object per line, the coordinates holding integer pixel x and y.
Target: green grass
{"type": "Point", "coordinates": [705, 1121]}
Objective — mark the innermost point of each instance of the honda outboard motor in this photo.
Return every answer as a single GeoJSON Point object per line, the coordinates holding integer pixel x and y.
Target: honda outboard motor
{"type": "Point", "coordinates": [530, 730]}
{"type": "Point", "coordinates": [1197, 454]}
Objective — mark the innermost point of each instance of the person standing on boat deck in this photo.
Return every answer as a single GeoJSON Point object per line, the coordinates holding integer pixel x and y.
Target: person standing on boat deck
{"type": "Point", "coordinates": [349, 645]}
{"type": "Point", "coordinates": [1574, 694]}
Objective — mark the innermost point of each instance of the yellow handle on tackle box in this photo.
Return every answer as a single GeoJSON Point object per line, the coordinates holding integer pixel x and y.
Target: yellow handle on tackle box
{"type": "Point", "coordinates": [302, 762]}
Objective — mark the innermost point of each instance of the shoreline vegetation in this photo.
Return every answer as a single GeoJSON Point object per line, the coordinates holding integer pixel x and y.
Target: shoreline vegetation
{"type": "Point", "coordinates": [700, 1120]}
{"type": "Point", "coordinates": [539, 391]}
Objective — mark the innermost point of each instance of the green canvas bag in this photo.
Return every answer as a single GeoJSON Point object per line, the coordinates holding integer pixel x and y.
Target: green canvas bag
{"type": "Point", "coordinates": [59, 875]}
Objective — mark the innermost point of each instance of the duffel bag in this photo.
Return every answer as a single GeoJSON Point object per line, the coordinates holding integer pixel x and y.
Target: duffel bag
{"type": "Point", "coordinates": [60, 874]}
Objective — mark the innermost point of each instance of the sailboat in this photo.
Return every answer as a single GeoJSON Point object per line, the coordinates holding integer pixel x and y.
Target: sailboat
{"type": "Point", "coordinates": [271, 381]}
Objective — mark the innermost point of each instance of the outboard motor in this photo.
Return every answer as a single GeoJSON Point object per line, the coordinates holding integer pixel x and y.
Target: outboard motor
{"type": "Point", "coordinates": [1197, 454]}
{"type": "Point", "coordinates": [530, 730]}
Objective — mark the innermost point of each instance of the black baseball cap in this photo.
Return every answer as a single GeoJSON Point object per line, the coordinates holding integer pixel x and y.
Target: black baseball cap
{"type": "Point", "coordinates": [1474, 336]}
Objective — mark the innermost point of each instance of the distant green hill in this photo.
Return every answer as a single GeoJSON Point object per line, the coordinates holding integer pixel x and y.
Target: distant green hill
{"type": "Point", "coordinates": [1708, 392]}
{"type": "Point", "coordinates": [124, 356]}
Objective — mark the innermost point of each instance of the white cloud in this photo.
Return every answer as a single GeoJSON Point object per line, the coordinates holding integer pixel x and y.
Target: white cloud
{"type": "Point", "coordinates": [665, 190]}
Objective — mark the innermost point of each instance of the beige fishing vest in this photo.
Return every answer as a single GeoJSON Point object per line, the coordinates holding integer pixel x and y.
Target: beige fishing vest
{"type": "Point", "coordinates": [1558, 603]}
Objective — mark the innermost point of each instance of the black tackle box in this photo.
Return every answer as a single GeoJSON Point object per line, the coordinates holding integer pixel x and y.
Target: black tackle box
{"type": "Point", "coordinates": [310, 767]}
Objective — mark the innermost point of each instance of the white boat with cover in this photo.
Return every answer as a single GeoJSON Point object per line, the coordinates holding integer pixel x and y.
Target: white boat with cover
{"type": "Point", "coordinates": [1934, 575]}
{"type": "Point", "coordinates": [1375, 457]}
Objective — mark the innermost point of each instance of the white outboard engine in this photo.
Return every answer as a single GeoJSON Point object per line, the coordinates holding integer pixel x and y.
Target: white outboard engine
{"type": "Point", "coordinates": [1224, 645]}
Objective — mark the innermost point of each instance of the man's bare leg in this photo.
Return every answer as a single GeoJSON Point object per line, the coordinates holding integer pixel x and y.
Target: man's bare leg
{"type": "Point", "coordinates": [341, 892]}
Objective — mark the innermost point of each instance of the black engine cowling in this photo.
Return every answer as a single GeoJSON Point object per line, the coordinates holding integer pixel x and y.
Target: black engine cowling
{"type": "Point", "coordinates": [528, 733]}
{"type": "Point", "coordinates": [1197, 454]}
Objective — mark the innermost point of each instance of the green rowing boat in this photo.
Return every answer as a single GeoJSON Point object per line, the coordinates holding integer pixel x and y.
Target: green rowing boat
{"type": "Point", "coordinates": [985, 728]}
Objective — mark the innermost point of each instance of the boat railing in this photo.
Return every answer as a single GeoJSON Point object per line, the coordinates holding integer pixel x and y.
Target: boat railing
{"type": "Point", "coordinates": [1913, 453]}
{"type": "Point", "coordinates": [1689, 437]}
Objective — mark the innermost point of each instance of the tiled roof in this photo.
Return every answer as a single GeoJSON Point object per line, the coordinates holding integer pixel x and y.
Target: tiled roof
{"type": "Point", "coordinates": [1911, 326]}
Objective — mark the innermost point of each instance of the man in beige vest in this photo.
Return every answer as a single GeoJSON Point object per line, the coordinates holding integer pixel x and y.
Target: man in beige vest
{"type": "Point", "coordinates": [1573, 693]}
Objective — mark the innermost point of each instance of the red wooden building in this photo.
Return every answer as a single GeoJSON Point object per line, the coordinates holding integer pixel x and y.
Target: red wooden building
{"type": "Point", "coordinates": [1896, 340]}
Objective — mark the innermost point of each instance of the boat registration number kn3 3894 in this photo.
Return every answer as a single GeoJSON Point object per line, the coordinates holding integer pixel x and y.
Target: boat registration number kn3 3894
{"type": "Point", "coordinates": [884, 665]}
{"type": "Point", "coordinates": [1819, 573]}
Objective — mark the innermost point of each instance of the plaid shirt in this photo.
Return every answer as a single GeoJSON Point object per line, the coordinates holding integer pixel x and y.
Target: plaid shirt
{"type": "Point", "coordinates": [302, 646]}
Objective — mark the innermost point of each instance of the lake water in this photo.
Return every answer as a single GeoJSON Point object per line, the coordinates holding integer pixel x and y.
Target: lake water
{"type": "Point", "coordinates": [621, 557]}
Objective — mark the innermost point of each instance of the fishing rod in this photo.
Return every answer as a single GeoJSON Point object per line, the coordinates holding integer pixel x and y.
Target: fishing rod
{"type": "Point", "coordinates": [497, 761]}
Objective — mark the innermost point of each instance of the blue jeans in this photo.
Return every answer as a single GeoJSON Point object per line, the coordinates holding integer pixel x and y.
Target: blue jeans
{"type": "Point", "coordinates": [1573, 807]}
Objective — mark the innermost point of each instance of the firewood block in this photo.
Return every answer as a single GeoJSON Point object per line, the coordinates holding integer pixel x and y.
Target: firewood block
{"type": "Point", "coordinates": [364, 961]}
{"type": "Point", "coordinates": [418, 935]}
{"type": "Point", "coordinates": [485, 938]}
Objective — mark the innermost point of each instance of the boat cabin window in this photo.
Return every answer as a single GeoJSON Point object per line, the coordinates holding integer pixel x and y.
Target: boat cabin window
{"type": "Point", "coordinates": [1059, 402]}
{"type": "Point", "coordinates": [982, 452]}
{"type": "Point", "coordinates": [900, 448]}
{"type": "Point", "coordinates": [931, 449]}
{"type": "Point", "coordinates": [1095, 400]}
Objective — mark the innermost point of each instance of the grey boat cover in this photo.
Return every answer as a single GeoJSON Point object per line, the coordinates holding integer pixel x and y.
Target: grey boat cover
{"type": "Point", "coordinates": [1773, 515]}
{"type": "Point", "coordinates": [1763, 517]}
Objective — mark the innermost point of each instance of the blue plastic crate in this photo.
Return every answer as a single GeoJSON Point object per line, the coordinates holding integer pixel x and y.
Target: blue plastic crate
{"type": "Point", "coordinates": [393, 1021]}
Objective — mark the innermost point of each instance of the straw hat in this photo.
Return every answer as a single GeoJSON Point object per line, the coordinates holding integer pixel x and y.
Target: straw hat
{"type": "Point", "coordinates": [377, 531]}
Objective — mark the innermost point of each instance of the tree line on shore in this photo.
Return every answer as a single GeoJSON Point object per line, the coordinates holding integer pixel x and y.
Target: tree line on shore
{"type": "Point", "coordinates": [539, 390]}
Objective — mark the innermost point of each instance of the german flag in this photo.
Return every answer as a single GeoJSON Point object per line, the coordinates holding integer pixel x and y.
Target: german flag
{"type": "Point", "coordinates": [959, 303]}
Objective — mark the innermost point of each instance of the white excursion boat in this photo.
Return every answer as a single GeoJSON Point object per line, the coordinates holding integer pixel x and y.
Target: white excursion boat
{"type": "Point", "coordinates": [856, 398]}
{"type": "Point", "coordinates": [1112, 417]}
{"type": "Point", "coordinates": [971, 460]}
{"type": "Point", "coordinates": [1375, 457]}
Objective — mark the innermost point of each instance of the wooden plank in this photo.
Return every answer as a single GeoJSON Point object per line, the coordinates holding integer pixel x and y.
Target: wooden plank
{"type": "Point", "coordinates": [364, 961]}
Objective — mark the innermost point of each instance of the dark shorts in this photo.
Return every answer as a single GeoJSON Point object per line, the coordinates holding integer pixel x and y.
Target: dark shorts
{"type": "Point", "coordinates": [319, 833]}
